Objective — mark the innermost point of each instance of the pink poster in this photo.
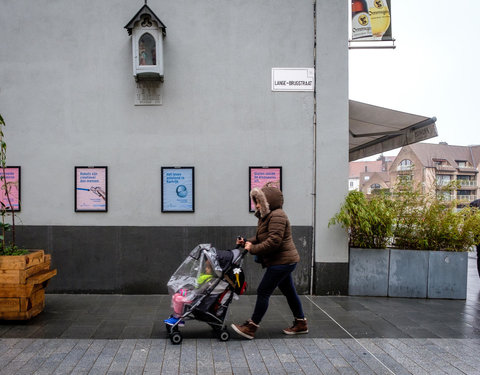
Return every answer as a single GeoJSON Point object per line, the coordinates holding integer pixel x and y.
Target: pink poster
{"type": "Point", "coordinates": [91, 189]}
{"type": "Point", "coordinates": [10, 188]}
{"type": "Point", "coordinates": [261, 176]}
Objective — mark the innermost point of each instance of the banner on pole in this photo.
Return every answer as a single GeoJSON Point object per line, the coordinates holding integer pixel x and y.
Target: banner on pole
{"type": "Point", "coordinates": [371, 20]}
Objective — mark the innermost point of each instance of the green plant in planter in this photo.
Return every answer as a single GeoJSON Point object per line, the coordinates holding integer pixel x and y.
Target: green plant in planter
{"type": "Point", "coordinates": [409, 206]}
{"type": "Point", "coordinates": [369, 222]}
{"type": "Point", "coordinates": [429, 222]}
{"type": "Point", "coordinates": [6, 248]}
{"type": "Point", "coordinates": [408, 219]}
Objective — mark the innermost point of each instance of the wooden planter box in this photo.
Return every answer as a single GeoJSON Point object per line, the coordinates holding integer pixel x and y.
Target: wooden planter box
{"type": "Point", "coordinates": [23, 279]}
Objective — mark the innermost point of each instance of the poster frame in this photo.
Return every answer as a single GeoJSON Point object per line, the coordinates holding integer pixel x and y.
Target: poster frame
{"type": "Point", "coordinates": [103, 169]}
{"type": "Point", "coordinates": [164, 197]}
{"type": "Point", "coordinates": [253, 168]}
{"type": "Point", "coordinates": [19, 199]}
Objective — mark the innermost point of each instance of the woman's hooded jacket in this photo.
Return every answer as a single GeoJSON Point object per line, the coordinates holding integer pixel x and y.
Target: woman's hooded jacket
{"type": "Point", "coordinates": [273, 241]}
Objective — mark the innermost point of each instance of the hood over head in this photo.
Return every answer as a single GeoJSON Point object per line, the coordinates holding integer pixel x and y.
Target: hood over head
{"type": "Point", "coordinates": [269, 197]}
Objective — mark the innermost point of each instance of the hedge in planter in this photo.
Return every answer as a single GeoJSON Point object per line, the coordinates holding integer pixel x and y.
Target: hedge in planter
{"type": "Point", "coordinates": [411, 221]}
{"type": "Point", "coordinates": [369, 224]}
{"type": "Point", "coordinates": [430, 223]}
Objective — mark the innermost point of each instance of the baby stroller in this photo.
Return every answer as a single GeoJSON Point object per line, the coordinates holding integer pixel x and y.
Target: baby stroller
{"type": "Point", "coordinates": [203, 287]}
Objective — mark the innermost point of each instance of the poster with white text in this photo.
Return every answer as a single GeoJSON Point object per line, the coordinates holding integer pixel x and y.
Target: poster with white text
{"type": "Point", "coordinates": [91, 189]}
{"type": "Point", "coordinates": [10, 188]}
{"type": "Point", "coordinates": [178, 189]}
{"type": "Point", "coordinates": [264, 176]}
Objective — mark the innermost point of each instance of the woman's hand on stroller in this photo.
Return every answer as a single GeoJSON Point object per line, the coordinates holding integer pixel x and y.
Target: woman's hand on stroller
{"type": "Point", "coordinates": [240, 241]}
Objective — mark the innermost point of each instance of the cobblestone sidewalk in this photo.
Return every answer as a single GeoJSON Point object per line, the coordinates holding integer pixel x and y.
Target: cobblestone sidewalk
{"type": "Point", "coordinates": [263, 356]}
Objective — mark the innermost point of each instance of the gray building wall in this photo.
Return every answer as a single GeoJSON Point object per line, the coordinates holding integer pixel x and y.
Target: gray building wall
{"type": "Point", "coordinates": [331, 254]}
{"type": "Point", "coordinates": [67, 96]}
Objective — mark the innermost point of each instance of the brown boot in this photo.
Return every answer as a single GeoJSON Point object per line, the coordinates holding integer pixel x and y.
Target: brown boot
{"type": "Point", "coordinates": [246, 330]}
{"type": "Point", "coordinates": [299, 327]}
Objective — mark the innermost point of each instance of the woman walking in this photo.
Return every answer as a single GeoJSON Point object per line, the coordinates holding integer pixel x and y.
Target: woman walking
{"type": "Point", "coordinates": [273, 245]}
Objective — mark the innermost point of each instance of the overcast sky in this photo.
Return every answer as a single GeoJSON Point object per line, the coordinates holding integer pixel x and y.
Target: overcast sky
{"type": "Point", "coordinates": [434, 70]}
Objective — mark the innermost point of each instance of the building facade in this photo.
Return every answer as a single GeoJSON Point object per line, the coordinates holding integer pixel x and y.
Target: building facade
{"type": "Point", "coordinates": [70, 99]}
{"type": "Point", "coordinates": [434, 166]}
{"type": "Point", "coordinates": [366, 176]}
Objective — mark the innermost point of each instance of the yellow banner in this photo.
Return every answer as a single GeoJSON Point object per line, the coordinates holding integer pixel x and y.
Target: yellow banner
{"type": "Point", "coordinates": [371, 20]}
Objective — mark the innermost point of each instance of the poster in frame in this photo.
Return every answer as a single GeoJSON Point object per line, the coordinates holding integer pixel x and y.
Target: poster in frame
{"type": "Point", "coordinates": [10, 183]}
{"type": "Point", "coordinates": [178, 189]}
{"type": "Point", "coordinates": [91, 189]}
{"type": "Point", "coordinates": [258, 177]}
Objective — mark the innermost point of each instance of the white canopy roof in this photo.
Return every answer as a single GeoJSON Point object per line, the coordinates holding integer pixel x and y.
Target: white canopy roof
{"type": "Point", "coordinates": [374, 130]}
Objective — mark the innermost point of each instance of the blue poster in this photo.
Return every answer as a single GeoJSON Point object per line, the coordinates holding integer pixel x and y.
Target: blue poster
{"type": "Point", "coordinates": [177, 189]}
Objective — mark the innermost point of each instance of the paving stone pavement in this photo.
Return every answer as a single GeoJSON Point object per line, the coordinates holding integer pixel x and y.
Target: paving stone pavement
{"type": "Point", "coordinates": [120, 334]}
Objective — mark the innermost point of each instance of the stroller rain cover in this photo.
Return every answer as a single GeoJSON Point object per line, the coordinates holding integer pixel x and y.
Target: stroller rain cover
{"type": "Point", "coordinates": [189, 274]}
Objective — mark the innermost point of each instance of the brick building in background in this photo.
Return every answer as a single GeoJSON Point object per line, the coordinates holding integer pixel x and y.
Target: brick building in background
{"type": "Point", "coordinates": [367, 175]}
{"type": "Point", "coordinates": [433, 166]}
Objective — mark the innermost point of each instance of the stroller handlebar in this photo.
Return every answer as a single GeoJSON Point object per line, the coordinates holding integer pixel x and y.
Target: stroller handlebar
{"type": "Point", "coordinates": [244, 252]}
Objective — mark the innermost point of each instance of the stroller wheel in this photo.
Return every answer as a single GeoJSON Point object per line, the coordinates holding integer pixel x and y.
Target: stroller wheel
{"type": "Point", "coordinates": [176, 338]}
{"type": "Point", "coordinates": [224, 335]}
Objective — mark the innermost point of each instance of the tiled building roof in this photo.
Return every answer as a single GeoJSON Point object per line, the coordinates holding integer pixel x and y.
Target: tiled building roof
{"type": "Point", "coordinates": [428, 153]}
{"type": "Point", "coordinates": [358, 167]}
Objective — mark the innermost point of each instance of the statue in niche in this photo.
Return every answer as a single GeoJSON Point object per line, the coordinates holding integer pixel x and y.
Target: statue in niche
{"type": "Point", "coordinates": [146, 50]}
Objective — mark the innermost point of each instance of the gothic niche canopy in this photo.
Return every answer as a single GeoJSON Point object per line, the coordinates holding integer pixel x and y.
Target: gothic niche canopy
{"type": "Point", "coordinates": [147, 33]}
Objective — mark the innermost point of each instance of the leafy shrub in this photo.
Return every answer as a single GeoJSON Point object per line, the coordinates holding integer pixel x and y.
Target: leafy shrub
{"type": "Point", "coordinates": [408, 219]}
{"type": "Point", "coordinates": [369, 222]}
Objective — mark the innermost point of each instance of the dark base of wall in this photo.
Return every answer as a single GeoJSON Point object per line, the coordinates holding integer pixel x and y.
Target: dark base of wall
{"type": "Point", "coordinates": [331, 279]}
{"type": "Point", "coordinates": [140, 260]}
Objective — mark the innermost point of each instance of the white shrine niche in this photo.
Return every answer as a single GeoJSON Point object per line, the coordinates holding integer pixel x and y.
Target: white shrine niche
{"type": "Point", "coordinates": [147, 32]}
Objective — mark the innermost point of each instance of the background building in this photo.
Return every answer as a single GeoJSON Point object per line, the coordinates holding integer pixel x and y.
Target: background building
{"type": "Point", "coordinates": [434, 166]}
{"type": "Point", "coordinates": [367, 175]}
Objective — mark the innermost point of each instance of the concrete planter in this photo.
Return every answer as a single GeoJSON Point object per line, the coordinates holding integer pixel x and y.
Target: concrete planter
{"type": "Point", "coordinates": [447, 275]}
{"type": "Point", "coordinates": [368, 272]}
{"type": "Point", "coordinates": [408, 273]}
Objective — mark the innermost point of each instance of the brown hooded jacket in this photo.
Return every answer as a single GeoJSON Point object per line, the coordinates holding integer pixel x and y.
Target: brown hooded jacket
{"type": "Point", "coordinates": [273, 241]}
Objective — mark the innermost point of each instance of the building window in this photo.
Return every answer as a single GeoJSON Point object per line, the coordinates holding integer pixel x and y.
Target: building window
{"type": "Point", "coordinates": [465, 195]}
{"type": "Point", "coordinates": [405, 178]}
{"type": "Point", "coordinates": [444, 195]}
{"type": "Point", "coordinates": [351, 183]}
{"type": "Point", "coordinates": [466, 180]}
{"type": "Point", "coordinates": [375, 186]}
{"type": "Point", "coordinates": [443, 179]}
{"type": "Point", "coordinates": [146, 50]}
{"type": "Point", "coordinates": [440, 162]}
{"type": "Point", "coordinates": [405, 165]}
{"type": "Point", "coordinates": [366, 178]}
{"type": "Point", "coordinates": [462, 163]}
